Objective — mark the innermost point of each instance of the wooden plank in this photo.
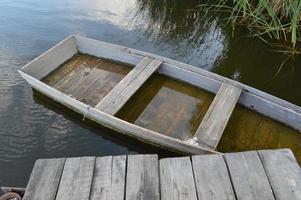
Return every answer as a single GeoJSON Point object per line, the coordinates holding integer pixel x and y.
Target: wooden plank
{"type": "Point", "coordinates": [51, 59]}
{"type": "Point", "coordinates": [44, 179]}
{"type": "Point", "coordinates": [76, 179]}
{"type": "Point", "coordinates": [107, 51]}
{"type": "Point", "coordinates": [142, 179]}
{"type": "Point", "coordinates": [252, 98]}
{"type": "Point", "coordinates": [283, 172]}
{"type": "Point", "coordinates": [109, 178]}
{"type": "Point", "coordinates": [114, 123]}
{"type": "Point", "coordinates": [248, 176]}
{"type": "Point", "coordinates": [176, 179]}
{"type": "Point", "coordinates": [126, 88]}
{"type": "Point", "coordinates": [215, 121]}
{"type": "Point", "coordinates": [124, 83]}
{"type": "Point", "coordinates": [211, 178]}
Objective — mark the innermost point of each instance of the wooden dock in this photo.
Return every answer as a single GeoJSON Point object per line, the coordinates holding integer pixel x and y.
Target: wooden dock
{"type": "Point", "coordinates": [266, 174]}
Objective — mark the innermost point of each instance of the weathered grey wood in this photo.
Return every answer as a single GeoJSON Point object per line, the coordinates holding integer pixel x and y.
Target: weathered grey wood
{"type": "Point", "coordinates": [215, 121]}
{"type": "Point", "coordinates": [176, 179]}
{"type": "Point", "coordinates": [211, 178]}
{"type": "Point", "coordinates": [248, 176]}
{"type": "Point", "coordinates": [123, 83]}
{"type": "Point", "coordinates": [107, 51]}
{"type": "Point", "coordinates": [109, 178]}
{"type": "Point", "coordinates": [126, 88]}
{"type": "Point", "coordinates": [252, 98]}
{"type": "Point", "coordinates": [44, 179]}
{"type": "Point", "coordinates": [51, 59]}
{"type": "Point", "coordinates": [114, 123]}
{"type": "Point", "coordinates": [261, 102]}
{"type": "Point", "coordinates": [76, 179]}
{"type": "Point", "coordinates": [142, 179]}
{"type": "Point", "coordinates": [93, 46]}
{"type": "Point", "coordinates": [283, 172]}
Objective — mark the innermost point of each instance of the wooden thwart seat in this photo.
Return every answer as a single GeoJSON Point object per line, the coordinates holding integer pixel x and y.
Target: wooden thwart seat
{"type": "Point", "coordinates": [215, 120]}
{"type": "Point", "coordinates": [125, 89]}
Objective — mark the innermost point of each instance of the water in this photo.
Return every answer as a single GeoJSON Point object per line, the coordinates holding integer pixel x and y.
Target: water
{"type": "Point", "coordinates": [31, 129]}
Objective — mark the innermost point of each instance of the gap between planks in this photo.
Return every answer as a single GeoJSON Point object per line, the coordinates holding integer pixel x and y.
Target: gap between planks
{"type": "Point", "coordinates": [266, 174]}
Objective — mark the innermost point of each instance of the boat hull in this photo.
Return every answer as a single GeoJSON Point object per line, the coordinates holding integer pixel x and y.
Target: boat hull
{"type": "Point", "coordinates": [251, 98]}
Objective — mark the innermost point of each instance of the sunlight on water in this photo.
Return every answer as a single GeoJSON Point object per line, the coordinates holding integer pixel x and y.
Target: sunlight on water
{"type": "Point", "coordinates": [30, 129]}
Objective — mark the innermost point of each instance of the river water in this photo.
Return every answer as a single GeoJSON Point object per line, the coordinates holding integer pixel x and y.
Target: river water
{"type": "Point", "coordinates": [31, 129]}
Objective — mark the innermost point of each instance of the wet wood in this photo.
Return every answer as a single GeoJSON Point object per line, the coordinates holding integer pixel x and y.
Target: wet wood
{"type": "Point", "coordinates": [248, 176]}
{"type": "Point", "coordinates": [249, 130]}
{"type": "Point", "coordinates": [215, 121]}
{"type": "Point", "coordinates": [87, 78]}
{"type": "Point", "coordinates": [252, 98]}
{"type": "Point", "coordinates": [177, 180]}
{"type": "Point", "coordinates": [168, 107]}
{"type": "Point", "coordinates": [283, 172]}
{"type": "Point", "coordinates": [123, 83]}
{"type": "Point", "coordinates": [44, 180]}
{"type": "Point", "coordinates": [114, 101]}
{"type": "Point", "coordinates": [212, 180]}
{"type": "Point", "coordinates": [142, 179]}
{"type": "Point", "coordinates": [116, 124]}
{"type": "Point", "coordinates": [76, 179]}
{"type": "Point", "coordinates": [49, 62]}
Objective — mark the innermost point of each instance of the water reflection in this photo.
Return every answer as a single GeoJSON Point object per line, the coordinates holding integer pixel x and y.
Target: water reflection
{"type": "Point", "coordinates": [172, 28]}
{"type": "Point", "coordinates": [114, 12]}
{"type": "Point", "coordinates": [192, 33]}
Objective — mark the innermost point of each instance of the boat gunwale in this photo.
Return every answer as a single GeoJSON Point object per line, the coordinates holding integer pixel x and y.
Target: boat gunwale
{"type": "Point", "coordinates": [200, 71]}
{"type": "Point", "coordinates": [175, 63]}
{"type": "Point", "coordinates": [210, 82]}
{"type": "Point", "coordinates": [248, 92]}
{"type": "Point", "coordinates": [115, 123]}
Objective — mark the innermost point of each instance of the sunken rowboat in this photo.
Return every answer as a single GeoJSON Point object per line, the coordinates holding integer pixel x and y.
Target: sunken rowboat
{"type": "Point", "coordinates": [151, 98]}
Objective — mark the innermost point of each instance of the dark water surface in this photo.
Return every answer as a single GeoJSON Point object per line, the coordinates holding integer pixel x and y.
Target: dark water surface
{"type": "Point", "coordinates": [31, 129]}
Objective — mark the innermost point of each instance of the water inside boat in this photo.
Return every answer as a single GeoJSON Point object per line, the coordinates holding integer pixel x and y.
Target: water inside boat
{"type": "Point", "coordinates": [249, 130]}
{"type": "Point", "coordinates": [87, 78]}
{"type": "Point", "coordinates": [167, 106]}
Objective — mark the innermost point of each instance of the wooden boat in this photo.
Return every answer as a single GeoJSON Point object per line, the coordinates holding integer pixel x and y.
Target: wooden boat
{"type": "Point", "coordinates": [98, 79]}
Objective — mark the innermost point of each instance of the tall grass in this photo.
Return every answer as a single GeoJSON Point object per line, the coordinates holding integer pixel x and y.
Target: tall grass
{"type": "Point", "coordinates": [278, 19]}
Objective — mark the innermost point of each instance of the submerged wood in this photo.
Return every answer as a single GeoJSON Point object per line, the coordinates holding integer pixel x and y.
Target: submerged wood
{"type": "Point", "coordinates": [114, 101]}
{"type": "Point", "coordinates": [167, 106]}
{"type": "Point", "coordinates": [84, 87]}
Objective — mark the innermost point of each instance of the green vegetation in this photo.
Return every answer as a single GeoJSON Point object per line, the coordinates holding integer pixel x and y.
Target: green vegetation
{"type": "Point", "coordinates": [277, 19]}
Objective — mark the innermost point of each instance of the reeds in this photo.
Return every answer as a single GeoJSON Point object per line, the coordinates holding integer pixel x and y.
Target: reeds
{"type": "Point", "coordinates": [278, 19]}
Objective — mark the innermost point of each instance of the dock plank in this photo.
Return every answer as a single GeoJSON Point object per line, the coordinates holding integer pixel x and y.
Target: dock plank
{"type": "Point", "coordinates": [76, 179]}
{"type": "Point", "coordinates": [252, 175]}
{"type": "Point", "coordinates": [44, 179]}
{"type": "Point", "coordinates": [211, 178]}
{"type": "Point", "coordinates": [126, 88]}
{"type": "Point", "coordinates": [283, 172]}
{"type": "Point", "coordinates": [176, 179]}
{"type": "Point", "coordinates": [109, 178]}
{"type": "Point", "coordinates": [248, 176]}
{"type": "Point", "coordinates": [216, 118]}
{"type": "Point", "coordinates": [142, 180]}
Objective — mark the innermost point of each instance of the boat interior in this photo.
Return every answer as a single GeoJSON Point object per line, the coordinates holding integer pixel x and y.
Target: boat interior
{"type": "Point", "coordinates": [165, 96]}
